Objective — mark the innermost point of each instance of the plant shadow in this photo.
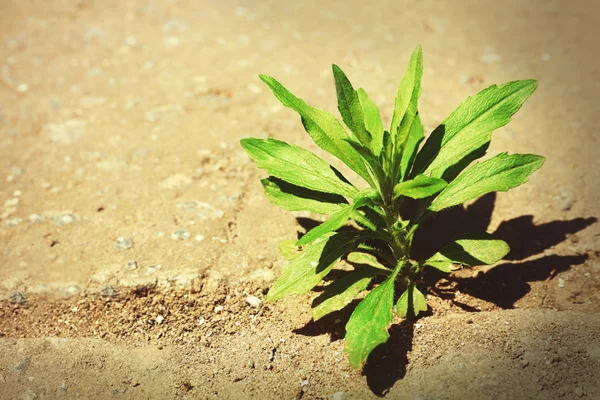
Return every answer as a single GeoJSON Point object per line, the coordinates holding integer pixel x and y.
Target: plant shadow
{"type": "Point", "coordinates": [388, 362]}
{"type": "Point", "coordinates": [506, 283]}
{"type": "Point", "coordinates": [502, 285]}
{"type": "Point", "coordinates": [332, 324]}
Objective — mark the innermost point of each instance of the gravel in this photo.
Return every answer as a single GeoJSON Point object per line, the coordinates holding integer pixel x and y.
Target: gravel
{"type": "Point", "coordinates": [253, 301]}
{"type": "Point", "coordinates": [123, 243]}
{"type": "Point", "coordinates": [339, 396]}
{"type": "Point", "coordinates": [131, 265]}
{"type": "Point", "coordinates": [180, 235]}
{"type": "Point", "coordinates": [18, 298]}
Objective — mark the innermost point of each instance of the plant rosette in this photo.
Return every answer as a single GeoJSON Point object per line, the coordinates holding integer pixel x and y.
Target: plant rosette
{"type": "Point", "coordinates": [399, 166]}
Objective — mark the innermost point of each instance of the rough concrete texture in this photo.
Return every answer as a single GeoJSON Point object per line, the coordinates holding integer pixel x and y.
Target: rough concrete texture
{"type": "Point", "coordinates": [125, 197]}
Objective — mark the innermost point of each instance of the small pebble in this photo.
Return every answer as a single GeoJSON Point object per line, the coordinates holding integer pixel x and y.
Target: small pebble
{"type": "Point", "coordinates": [303, 382]}
{"type": "Point", "coordinates": [566, 200]}
{"type": "Point", "coordinates": [160, 319]}
{"type": "Point", "coordinates": [35, 218]}
{"type": "Point", "coordinates": [490, 56]}
{"type": "Point", "coordinates": [22, 88]}
{"type": "Point", "coordinates": [18, 298]}
{"type": "Point", "coordinates": [338, 396]}
{"type": "Point", "coordinates": [123, 243]}
{"type": "Point", "coordinates": [30, 395]}
{"type": "Point", "coordinates": [71, 290]}
{"type": "Point", "coordinates": [579, 391]}
{"type": "Point", "coordinates": [180, 235]}
{"type": "Point", "coordinates": [561, 283]}
{"type": "Point", "coordinates": [199, 238]}
{"type": "Point", "coordinates": [8, 212]}
{"type": "Point", "coordinates": [524, 363]}
{"type": "Point", "coordinates": [202, 210]}
{"type": "Point", "coordinates": [23, 365]}
{"type": "Point", "coordinates": [16, 171]}
{"type": "Point", "coordinates": [151, 269]}
{"type": "Point", "coordinates": [131, 265]}
{"type": "Point", "coordinates": [11, 202]}
{"type": "Point", "coordinates": [67, 219]}
{"type": "Point", "coordinates": [219, 308]}
{"type": "Point", "coordinates": [253, 301]}
{"type": "Point", "coordinates": [109, 291]}
{"type": "Point", "coordinates": [13, 221]}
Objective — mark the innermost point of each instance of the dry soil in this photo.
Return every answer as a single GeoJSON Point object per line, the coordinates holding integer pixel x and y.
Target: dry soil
{"type": "Point", "coordinates": [137, 245]}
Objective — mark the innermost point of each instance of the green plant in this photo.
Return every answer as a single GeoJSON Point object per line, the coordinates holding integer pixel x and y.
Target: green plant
{"type": "Point", "coordinates": [433, 178]}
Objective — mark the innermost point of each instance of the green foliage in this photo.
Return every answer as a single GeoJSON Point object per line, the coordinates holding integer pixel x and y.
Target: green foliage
{"type": "Point", "coordinates": [411, 302]}
{"type": "Point", "coordinates": [476, 250]}
{"type": "Point", "coordinates": [368, 324]}
{"type": "Point", "coordinates": [398, 171]}
{"type": "Point", "coordinates": [419, 188]}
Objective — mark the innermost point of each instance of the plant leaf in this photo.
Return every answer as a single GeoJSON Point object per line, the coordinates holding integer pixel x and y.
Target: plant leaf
{"type": "Point", "coordinates": [373, 122]}
{"type": "Point", "coordinates": [340, 217]}
{"type": "Point", "coordinates": [470, 126]}
{"type": "Point", "coordinates": [288, 249]}
{"type": "Point", "coordinates": [308, 269]}
{"type": "Point", "coordinates": [295, 198]}
{"type": "Point", "coordinates": [387, 152]}
{"type": "Point", "coordinates": [499, 173]}
{"type": "Point", "coordinates": [372, 163]}
{"type": "Point", "coordinates": [368, 325]}
{"type": "Point", "coordinates": [377, 252]}
{"type": "Point", "coordinates": [475, 250]}
{"type": "Point", "coordinates": [367, 259]}
{"type": "Point", "coordinates": [363, 220]}
{"type": "Point", "coordinates": [411, 302]}
{"type": "Point", "coordinates": [336, 221]}
{"type": "Point", "coordinates": [365, 197]}
{"type": "Point", "coordinates": [444, 266]}
{"type": "Point", "coordinates": [415, 136]}
{"type": "Point", "coordinates": [323, 128]}
{"type": "Point", "coordinates": [350, 107]}
{"type": "Point", "coordinates": [340, 293]}
{"type": "Point", "coordinates": [297, 166]}
{"type": "Point", "coordinates": [420, 187]}
{"type": "Point", "coordinates": [405, 106]}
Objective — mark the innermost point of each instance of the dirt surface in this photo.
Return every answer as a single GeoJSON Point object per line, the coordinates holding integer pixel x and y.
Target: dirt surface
{"type": "Point", "coordinates": [137, 245]}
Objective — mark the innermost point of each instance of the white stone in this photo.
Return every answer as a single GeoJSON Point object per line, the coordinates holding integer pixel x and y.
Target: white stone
{"type": "Point", "coordinates": [253, 301]}
{"type": "Point", "coordinates": [11, 202]}
{"type": "Point", "coordinates": [338, 396]}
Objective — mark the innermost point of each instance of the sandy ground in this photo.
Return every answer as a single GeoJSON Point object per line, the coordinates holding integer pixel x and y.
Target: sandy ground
{"type": "Point", "coordinates": [133, 228]}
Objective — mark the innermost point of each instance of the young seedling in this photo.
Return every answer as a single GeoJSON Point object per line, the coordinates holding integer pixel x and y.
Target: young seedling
{"type": "Point", "coordinates": [398, 171]}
